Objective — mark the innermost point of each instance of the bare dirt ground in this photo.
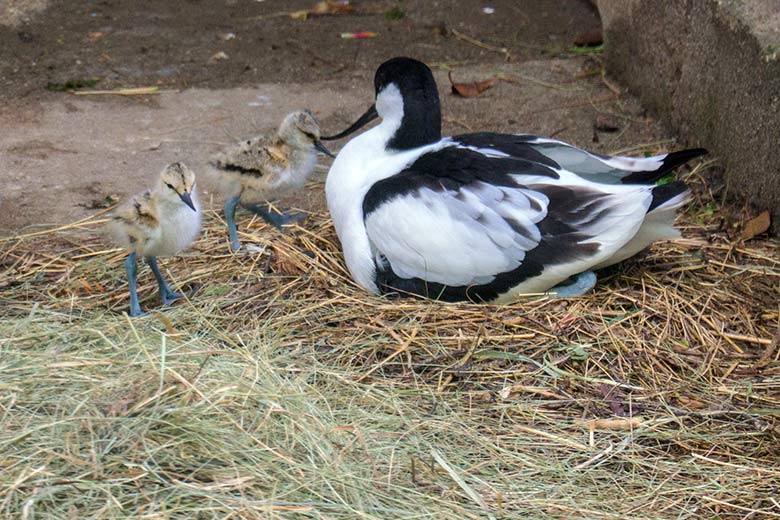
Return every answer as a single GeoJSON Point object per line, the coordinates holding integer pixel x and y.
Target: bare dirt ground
{"type": "Point", "coordinates": [61, 155]}
{"type": "Point", "coordinates": [170, 42]}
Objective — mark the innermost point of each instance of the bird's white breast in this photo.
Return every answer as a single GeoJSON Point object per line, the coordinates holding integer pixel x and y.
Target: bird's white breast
{"type": "Point", "coordinates": [359, 165]}
{"type": "Point", "coordinates": [179, 226]}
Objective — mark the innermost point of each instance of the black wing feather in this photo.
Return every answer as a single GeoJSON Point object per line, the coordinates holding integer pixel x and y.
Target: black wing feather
{"type": "Point", "coordinates": [671, 161]}
{"type": "Point", "coordinates": [449, 169]}
{"type": "Point", "coordinates": [510, 144]}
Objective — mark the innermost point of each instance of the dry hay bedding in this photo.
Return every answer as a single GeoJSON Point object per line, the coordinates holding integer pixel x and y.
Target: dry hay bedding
{"type": "Point", "coordinates": [282, 388]}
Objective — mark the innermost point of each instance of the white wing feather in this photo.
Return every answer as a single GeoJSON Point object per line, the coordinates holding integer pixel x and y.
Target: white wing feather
{"type": "Point", "coordinates": [585, 163]}
{"type": "Point", "coordinates": [467, 237]}
{"type": "Point", "coordinates": [457, 238]}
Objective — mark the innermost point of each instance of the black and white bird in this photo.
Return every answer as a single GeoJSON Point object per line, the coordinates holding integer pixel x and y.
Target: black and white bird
{"type": "Point", "coordinates": [485, 216]}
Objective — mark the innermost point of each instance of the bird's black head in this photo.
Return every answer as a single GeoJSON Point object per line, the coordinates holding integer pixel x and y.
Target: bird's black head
{"type": "Point", "coordinates": [405, 90]}
{"type": "Point", "coordinates": [419, 100]}
{"type": "Point", "coordinates": [412, 77]}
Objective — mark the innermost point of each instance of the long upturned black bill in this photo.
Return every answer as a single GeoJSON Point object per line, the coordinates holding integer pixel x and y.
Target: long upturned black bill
{"type": "Point", "coordinates": [366, 118]}
{"type": "Point", "coordinates": [321, 147]}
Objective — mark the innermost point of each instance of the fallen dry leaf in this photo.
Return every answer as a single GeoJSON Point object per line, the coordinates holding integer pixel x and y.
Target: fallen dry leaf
{"type": "Point", "coordinates": [756, 226]}
{"type": "Point", "coordinates": [301, 15]}
{"type": "Point", "coordinates": [614, 399]}
{"type": "Point", "coordinates": [473, 89]}
{"type": "Point", "coordinates": [589, 38]}
{"type": "Point", "coordinates": [286, 263]}
{"type": "Point", "coordinates": [331, 7]}
{"type": "Point", "coordinates": [95, 36]}
{"type": "Point", "coordinates": [606, 123]}
{"type": "Point", "coordinates": [321, 9]}
{"type": "Point", "coordinates": [769, 352]}
{"type": "Point", "coordinates": [691, 404]}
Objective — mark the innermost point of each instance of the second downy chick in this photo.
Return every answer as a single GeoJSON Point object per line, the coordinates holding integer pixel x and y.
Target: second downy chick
{"type": "Point", "coordinates": [261, 169]}
{"type": "Point", "coordinates": [158, 222]}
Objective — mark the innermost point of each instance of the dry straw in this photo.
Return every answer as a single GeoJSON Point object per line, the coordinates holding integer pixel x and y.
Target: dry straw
{"type": "Point", "coordinates": [281, 390]}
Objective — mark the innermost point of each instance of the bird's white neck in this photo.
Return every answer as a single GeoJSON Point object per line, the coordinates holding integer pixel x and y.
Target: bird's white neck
{"type": "Point", "coordinates": [362, 162]}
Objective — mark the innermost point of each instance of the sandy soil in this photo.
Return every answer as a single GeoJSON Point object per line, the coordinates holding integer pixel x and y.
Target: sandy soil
{"type": "Point", "coordinates": [171, 42]}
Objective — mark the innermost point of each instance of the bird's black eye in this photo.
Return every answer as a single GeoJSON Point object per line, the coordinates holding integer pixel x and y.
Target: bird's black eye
{"type": "Point", "coordinates": [170, 186]}
{"type": "Point", "coordinates": [310, 136]}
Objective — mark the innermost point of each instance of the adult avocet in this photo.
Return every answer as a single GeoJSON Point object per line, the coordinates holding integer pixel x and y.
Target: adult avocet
{"type": "Point", "coordinates": [485, 216]}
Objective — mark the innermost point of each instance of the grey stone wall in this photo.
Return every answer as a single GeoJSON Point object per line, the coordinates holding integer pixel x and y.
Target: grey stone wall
{"type": "Point", "coordinates": [711, 68]}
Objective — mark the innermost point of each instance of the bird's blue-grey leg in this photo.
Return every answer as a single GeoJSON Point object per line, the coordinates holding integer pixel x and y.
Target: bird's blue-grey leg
{"type": "Point", "coordinates": [168, 296]}
{"type": "Point", "coordinates": [583, 283]}
{"type": "Point", "coordinates": [131, 267]}
{"type": "Point", "coordinates": [275, 219]}
{"type": "Point", "coordinates": [230, 217]}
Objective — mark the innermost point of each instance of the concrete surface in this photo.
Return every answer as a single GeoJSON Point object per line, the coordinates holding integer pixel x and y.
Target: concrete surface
{"type": "Point", "coordinates": [68, 152]}
{"type": "Point", "coordinates": [14, 12]}
{"type": "Point", "coordinates": [711, 68]}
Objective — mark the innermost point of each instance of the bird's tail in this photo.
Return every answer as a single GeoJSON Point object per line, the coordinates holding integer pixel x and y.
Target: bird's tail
{"type": "Point", "coordinates": [669, 197]}
{"type": "Point", "coordinates": [668, 163]}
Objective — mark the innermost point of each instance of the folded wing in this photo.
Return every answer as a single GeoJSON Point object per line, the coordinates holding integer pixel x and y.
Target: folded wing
{"type": "Point", "coordinates": [588, 165]}
{"type": "Point", "coordinates": [506, 221]}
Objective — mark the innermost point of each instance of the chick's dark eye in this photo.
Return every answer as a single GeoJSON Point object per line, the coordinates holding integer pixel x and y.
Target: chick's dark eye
{"type": "Point", "coordinates": [310, 136]}
{"type": "Point", "coordinates": [170, 186]}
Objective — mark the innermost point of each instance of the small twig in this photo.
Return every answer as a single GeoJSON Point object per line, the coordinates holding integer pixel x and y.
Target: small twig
{"type": "Point", "coordinates": [593, 459]}
{"type": "Point", "coordinates": [735, 466]}
{"type": "Point", "coordinates": [403, 346]}
{"type": "Point", "coordinates": [546, 435]}
{"type": "Point", "coordinates": [520, 78]}
{"type": "Point", "coordinates": [439, 458]}
{"type": "Point", "coordinates": [556, 132]}
{"type": "Point", "coordinates": [140, 91]}
{"type": "Point", "coordinates": [746, 339]}
{"type": "Point", "coordinates": [458, 122]}
{"type": "Point", "coordinates": [466, 38]}
{"type": "Point", "coordinates": [609, 84]}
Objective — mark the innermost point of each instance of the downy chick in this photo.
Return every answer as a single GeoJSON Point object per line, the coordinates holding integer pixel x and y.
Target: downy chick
{"type": "Point", "coordinates": [160, 222]}
{"type": "Point", "coordinates": [261, 169]}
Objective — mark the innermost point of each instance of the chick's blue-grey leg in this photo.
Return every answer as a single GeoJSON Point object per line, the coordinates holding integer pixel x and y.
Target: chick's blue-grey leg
{"type": "Point", "coordinates": [583, 283]}
{"type": "Point", "coordinates": [168, 296]}
{"type": "Point", "coordinates": [230, 217]}
{"type": "Point", "coordinates": [275, 219]}
{"type": "Point", "coordinates": [131, 267]}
